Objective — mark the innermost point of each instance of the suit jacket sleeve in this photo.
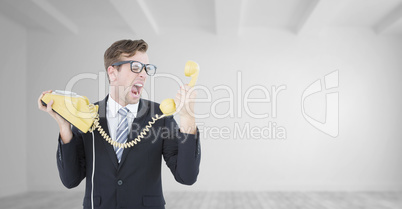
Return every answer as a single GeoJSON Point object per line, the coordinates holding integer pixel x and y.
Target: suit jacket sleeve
{"type": "Point", "coordinates": [71, 160]}
{"type": "Point", "coordinates": [182, 153]}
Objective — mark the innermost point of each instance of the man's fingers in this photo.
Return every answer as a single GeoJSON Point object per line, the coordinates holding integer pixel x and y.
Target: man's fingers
{"type": "Point", "coordinates": [40, 105]}
{"type": "Point", "coordinates": [192, 93]}
{"type": "Point", "coordinates": [183, 94]}
{"type": "Point", "coordinates": [186, 87]}
{"type": "Point", "coordinates": [45, 92]}
{"type": "Point", "coordinates": [179, 100]}
{"type": "Point", "coordinates": [49, 107]}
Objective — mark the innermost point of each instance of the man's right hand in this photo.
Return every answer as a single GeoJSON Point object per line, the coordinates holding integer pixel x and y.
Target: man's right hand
{"type": "Point", "coordinates": [65, 127]}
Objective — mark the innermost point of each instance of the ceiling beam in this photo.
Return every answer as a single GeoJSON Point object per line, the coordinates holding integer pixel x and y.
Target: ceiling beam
{"type": "Point", "coordinates": [55, 14]}
{"type": "Point", "coordinates": [137, 15]}
{"type": "Point", "coordinates": [317, 15]}
{"type": "Point", "coordinates": [46, 16]}
{"type": "Point", "coordinates": [390, 20]}
{"type": "Point", "coordinates": [228, 16]}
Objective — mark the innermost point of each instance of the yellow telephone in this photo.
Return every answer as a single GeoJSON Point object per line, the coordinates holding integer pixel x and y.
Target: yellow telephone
{"type": "Point", "coordinates": [72, 107]}
{"type": "Point", "coordinates": [79, 112]}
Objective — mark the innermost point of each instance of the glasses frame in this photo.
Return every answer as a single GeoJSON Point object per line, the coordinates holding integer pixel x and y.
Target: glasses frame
{"type": "Point", "coordinates": [144, 66]}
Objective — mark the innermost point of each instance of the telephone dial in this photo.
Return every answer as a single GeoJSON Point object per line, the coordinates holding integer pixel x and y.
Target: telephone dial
{"type": "Point", "coordinates": [80, 113]}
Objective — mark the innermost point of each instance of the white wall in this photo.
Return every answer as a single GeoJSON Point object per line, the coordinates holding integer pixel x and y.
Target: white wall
{"type": "Point", "coordinates": [365, 156]}
{"type": "Point", "coordinates": [13, 108]}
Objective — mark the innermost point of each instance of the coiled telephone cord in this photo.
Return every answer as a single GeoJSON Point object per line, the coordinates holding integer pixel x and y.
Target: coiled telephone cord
{"type": "Point", "coordinates": [144, 131]}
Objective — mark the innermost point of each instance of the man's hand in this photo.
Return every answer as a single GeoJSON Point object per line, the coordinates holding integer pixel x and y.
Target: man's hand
{"type": "Point", "coordinates": [185, 105]}
{"type": "Point", "coordinates": [65, 128]}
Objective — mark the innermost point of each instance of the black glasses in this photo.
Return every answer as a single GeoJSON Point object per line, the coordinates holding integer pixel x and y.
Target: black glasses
{"type": "Point", "coordinates": [136, 67]}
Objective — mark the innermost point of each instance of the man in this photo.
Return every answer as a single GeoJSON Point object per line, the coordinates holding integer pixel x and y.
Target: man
{"type": "Point", "coordinates": [131, 177]}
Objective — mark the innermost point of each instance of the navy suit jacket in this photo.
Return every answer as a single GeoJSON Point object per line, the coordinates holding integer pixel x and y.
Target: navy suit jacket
{"type": "Point", "coordinates": [135, 182]}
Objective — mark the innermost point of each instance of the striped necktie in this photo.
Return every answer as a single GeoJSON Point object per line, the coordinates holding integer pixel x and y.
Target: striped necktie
{"type": "Point", "coordinates": [122, 131]}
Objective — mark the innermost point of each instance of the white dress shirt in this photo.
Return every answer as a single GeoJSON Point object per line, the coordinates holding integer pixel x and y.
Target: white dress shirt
{"type": "Point", "coordinates": [113, 117]}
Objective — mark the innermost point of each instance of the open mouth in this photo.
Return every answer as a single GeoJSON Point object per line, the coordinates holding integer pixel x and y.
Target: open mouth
{"type": "Point", "coordinates": [136, 89]}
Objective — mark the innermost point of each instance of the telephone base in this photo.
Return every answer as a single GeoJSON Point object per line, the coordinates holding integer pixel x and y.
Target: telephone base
{"type": "Point", "coordinates": [44, 104]}
{"type": "Point", "coordinates": [73, 108]}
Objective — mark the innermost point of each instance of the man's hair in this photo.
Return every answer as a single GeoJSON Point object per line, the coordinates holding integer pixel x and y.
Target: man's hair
{"type": "Point", "coordinates": [127, 47]}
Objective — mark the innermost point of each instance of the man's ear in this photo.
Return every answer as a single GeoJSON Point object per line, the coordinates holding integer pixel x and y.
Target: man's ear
{"type": "Point", "coordinates": [112, 72]}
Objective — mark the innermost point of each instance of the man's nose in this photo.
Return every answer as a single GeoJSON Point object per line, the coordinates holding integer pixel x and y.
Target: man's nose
{"type": "Point", "coordinates": [143, 73]}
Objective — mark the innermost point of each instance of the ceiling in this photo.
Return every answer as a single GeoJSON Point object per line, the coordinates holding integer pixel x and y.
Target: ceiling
{"type": "Point", "coordinates": [218, 17]}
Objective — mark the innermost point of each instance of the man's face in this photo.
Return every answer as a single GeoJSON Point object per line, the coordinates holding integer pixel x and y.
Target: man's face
{"type": "Point", "coordinates": [126, 85]}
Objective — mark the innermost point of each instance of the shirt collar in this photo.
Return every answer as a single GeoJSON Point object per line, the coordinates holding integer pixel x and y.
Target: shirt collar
{"type": "Point", "coordinates": [113, 107]}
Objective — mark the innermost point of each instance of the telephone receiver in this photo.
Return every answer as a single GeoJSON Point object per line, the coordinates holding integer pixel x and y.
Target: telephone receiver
{"type": "Point", "coordinates": [78, 111]}
{"type": "Point", "coordinates": [167, 106]}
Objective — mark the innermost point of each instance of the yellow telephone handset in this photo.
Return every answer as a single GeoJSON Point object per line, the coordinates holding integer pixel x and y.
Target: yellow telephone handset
{"type": "Point", "coordinates": [192, 69]}
{"type": "Point", "coordinates": [79, 112]}
{"type": "Point", "coordinates": [167, 106]}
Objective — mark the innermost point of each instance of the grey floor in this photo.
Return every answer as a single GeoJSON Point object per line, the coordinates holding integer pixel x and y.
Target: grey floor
{"type": "Point", "coordinates": [230, 200]}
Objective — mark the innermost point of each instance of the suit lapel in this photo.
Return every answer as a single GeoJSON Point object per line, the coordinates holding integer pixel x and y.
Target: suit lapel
{"type": "Point", "coordinates": [140, 122]}
{"type": "Point", "coordinates": [104, 125]}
